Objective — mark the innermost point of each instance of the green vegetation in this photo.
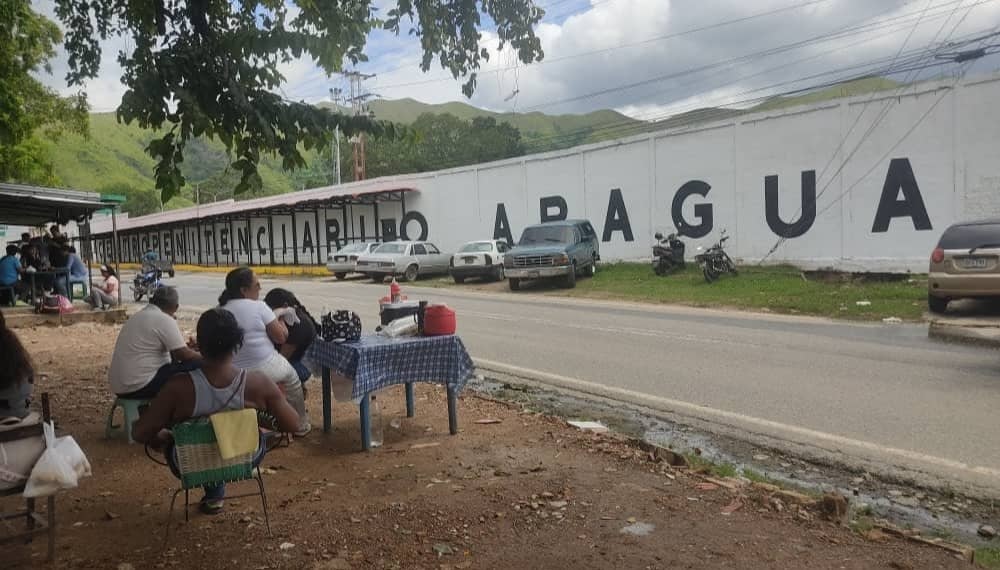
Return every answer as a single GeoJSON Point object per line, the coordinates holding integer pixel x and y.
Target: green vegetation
{"type": "Point", "coordinates": [699, 464]}
{"type": "Point", "coordinates": [211, 69]}
{"type": "Point", "coordinates": [28, 109]}
{"type": "Point", "coordinates": [988, 558]}
{"type": "Point", "coordinates": [757, 477]}
{"type": "Point", "coordinates": [780, 289]}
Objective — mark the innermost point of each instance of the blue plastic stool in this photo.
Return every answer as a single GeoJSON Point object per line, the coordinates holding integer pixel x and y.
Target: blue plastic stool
{"type": "Point", "coordinates": [130, 409]}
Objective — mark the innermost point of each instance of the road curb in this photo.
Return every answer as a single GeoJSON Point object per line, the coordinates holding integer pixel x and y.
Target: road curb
{"type": "Point", "coordinates": [977, 335]}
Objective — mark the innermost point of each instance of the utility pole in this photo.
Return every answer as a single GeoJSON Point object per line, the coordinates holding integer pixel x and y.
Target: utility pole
{"type": "Point", "coordinates": [357, 100]}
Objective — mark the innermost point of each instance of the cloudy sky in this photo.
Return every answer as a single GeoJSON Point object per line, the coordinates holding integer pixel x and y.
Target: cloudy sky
{"type": "Point", "coordinates": [650, 58]}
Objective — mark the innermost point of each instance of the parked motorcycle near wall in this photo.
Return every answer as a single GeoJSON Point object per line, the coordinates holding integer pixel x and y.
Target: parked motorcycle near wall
{"type": "Point", "coordinates": [668, 254]}
{"type": "Point", "coordinates": [715, 261]}
{"type": "Point", "coordinates": [146, 281]}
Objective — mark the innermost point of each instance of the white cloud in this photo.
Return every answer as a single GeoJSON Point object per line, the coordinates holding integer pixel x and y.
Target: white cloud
{"type": "Point", "coordinates": [567, 83]}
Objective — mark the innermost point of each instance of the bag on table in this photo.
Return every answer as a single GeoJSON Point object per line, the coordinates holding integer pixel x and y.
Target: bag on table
{"type": "Point", "coordinates": [340, 326]}
{"type": "Point", "coordinates": [61, 465]}
{"type": "Point", "coordinates": [19, 456]}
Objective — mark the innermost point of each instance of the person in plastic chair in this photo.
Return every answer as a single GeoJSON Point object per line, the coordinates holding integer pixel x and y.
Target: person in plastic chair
{"type": "Point", "coordinates": [218, 386]}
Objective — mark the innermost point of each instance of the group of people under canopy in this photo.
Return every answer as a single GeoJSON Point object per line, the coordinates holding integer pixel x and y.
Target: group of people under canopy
{"type": "Point", "coordinates": [247, 353]}
{"type": "Point", "coordinates": [43, 253]}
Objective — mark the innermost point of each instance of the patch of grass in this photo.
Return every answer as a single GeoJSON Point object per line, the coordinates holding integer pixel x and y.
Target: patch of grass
{"type": "Point", "coordinates": [866, 511]}
{"type": "Point", "coordinates": [778, 289]}
{"type": "Point", "coordinates": [699, 464]}
{"type": "Point", "coordinates": [758, 477]}
{"type": "Point", "coordinates": [988, 558]}
{"type": "Point", "coordinates": [942, 533]}
{"type": "Point", "coordinates": [862, 525]}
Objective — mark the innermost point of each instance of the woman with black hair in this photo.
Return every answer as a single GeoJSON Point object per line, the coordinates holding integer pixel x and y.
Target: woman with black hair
{"type": "Point", "coordinates": [300, 334]}
{"type": "Point", "coordinates": [17, 376]}
{"type": "Point", "coordinates": [263, 330]}
{"type": "Point", "coordinates": [105, 294]}
{"type": "Point", "coordinates": [217, 386]}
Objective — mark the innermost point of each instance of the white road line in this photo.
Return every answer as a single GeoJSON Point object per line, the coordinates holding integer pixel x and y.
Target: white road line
{"type": "Point", "coordinates": [733, 419]}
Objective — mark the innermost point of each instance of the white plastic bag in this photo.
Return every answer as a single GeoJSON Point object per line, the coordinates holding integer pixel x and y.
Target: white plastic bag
{"type": "Point", "coordinates": [60, 466]}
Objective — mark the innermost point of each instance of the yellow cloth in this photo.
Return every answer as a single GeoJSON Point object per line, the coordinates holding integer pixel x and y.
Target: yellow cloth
{"type": "Point", "coordinates": [236, 432]}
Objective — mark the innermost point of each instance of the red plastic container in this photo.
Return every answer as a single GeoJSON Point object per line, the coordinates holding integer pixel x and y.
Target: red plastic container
{"type": "Point", "coordinates": [439, 320]}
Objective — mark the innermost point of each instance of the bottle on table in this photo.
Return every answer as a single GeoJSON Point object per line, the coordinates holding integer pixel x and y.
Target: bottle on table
{"type": "Point", "coordinates": [395, 291]}
{"type": "Point", "coordinates": [376, 418]}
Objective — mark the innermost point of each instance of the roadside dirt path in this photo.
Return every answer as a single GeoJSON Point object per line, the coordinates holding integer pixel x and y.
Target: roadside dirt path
{"type": "Point", "coordinates": [523, 492]}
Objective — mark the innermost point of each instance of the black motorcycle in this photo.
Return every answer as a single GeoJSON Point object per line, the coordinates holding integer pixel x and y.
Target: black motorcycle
{"type": "Point", "coordinates": [715, 261]}
{"type": "Point", "coordinates": [668, 254]}
{"type": "Point", "coordinates": [146, 282]}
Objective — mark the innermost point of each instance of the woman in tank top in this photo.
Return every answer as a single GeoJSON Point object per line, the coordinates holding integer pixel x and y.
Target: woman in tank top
{"type": "Point", "coordinates": [219, 385]}
{"type": "Point", "coordinates": [262, 330]}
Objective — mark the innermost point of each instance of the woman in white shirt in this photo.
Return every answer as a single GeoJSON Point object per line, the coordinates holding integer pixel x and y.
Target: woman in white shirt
{"type": "Point", "coordinates": [262, 329]}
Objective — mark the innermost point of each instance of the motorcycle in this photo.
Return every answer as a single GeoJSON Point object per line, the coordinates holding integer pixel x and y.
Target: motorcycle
{"type": "Point", "coordinates": [715, 261]}
{"type": "Point", "coordinates": [668, 254]}
{"type": "Point", "coordinates": [146, 282]}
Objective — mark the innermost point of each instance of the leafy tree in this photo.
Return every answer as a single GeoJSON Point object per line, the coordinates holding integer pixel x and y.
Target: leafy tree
{"type": "Point", "coordinates": [27, 41]}
{"type": "Point", "coordinates": [209, 67]}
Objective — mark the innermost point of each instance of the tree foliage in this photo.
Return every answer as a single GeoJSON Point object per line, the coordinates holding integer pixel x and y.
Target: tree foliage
{"type": "Point", "coordinates": [210, 67]}
{"type": "Point", "coordinates": [27, 42]}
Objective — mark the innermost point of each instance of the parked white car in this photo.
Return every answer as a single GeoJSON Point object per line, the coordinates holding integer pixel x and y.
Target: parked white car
{"type": "Point", "coordinates": [404, 259]}
{"type": "Point", "coordinates": [345, 259]}
{"type": "Point", "coordinates": [483, 259]}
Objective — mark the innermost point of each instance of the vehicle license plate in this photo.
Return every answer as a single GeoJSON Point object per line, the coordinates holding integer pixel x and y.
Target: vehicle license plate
{"type": "Point", "coordinates": [533, 274]}
{"type": "Point", "coordinates": [470, 259]}
{"type": "Point", "coordinates": [340, 258]}
{"type": "Point", "coordinates": [974, 262]}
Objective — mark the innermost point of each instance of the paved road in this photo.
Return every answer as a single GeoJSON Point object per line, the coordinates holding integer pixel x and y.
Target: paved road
{"type": "Point", "coordinates": [882, 391]}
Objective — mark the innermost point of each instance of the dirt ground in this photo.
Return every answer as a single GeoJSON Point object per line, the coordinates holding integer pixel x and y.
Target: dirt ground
{"type": "Point", "coordinates": [526, 491]}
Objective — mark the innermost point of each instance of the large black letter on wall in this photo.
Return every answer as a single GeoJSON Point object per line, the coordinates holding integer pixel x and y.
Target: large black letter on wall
{"type": "Point", "coordinates": [388, 229]}
{"type": "Point", "coordinates": [413, 216]}
{"type": "Point", "coordinates": [307, 238]}
{"type": "Point", "coordinates": [617, 218]}
{"type": "Point", "coordinates": [900, 177]}
{"type": "Point", "coordinates": [261, 232]}
{"type": "Point", "coordinates": [224, 241]}
{"type": "Point", "coordinates": [501, 225]}
{"type": "Point", "coordinates": [808, 216]}
{"type": "Point", "coordinates": [547, 203]}
{"type": "Point", "coordinates": [332, 234]}
{"type": "Point", "coordinates": [702, 211]}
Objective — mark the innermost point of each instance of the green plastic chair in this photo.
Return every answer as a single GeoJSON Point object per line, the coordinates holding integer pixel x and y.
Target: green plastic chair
{"type": "Point", "coordinates": [201, 465]}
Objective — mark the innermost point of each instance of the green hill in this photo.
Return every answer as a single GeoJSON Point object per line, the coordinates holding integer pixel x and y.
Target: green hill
{"type": "Point", "coordinates": [113, 158]}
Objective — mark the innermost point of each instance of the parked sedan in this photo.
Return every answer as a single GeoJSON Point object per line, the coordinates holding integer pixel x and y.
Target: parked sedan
{"type": "Point", "coordinates": [965, 264]}
{"type": "Point", "coordinates": [404, 259]}
{"type": "Point", "coordinates": [345, 259]}
{"type": "Point", "coordinates": [483, 259]}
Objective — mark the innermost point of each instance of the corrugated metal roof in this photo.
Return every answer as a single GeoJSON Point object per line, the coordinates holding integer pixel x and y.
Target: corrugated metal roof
{"type": "Point", "coordinates": [232, 207]}
{"type": "Point", "coordinates": [36, 205]}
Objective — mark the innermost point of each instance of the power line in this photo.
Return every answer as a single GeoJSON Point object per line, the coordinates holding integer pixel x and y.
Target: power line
{"type": "Point", "coordinates": [614, 124]}
{"type": "Point", "coordinates": [878, 120]}
{"type": "Point", "coordinates": [617, 47]}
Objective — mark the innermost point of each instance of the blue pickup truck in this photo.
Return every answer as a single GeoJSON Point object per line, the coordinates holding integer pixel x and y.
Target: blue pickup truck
{"type": "Point", "coordinates": [561, 250]}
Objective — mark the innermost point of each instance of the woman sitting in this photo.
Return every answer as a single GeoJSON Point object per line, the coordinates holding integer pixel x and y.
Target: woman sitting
{"type": "Point", "coordinates": [218, 386]}
{"type": "Point", "coordinates": [17, 377]}
{"type": "Point", "coordinates": [300, 334]}
{"type": "Point", "coordinates": [262, 330]}
{"type": "Point", "coordinates": [106, 294]}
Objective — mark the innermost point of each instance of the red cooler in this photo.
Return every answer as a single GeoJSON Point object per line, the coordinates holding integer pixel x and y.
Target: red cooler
{"type": "Point", "coordinates": [439, 320]}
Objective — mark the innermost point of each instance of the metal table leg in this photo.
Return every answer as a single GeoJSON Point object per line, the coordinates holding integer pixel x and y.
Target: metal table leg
{"type": "Point", "coordinates": [366, 423]}
{"type": "Point", "coordinates": [452, 411]}
{"type": "Point", "coordinates": [410, 404]}
{"type": "Point", "coordinates": [327, 404]}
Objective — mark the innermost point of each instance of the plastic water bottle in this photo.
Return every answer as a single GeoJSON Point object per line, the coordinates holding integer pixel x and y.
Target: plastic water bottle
{"type": "Point", "coordinates": [376, 416]}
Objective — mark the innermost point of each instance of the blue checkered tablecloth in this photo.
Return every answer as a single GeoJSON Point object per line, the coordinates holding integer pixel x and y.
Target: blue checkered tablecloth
{"type": "Point", "coordinates": [377, 362]}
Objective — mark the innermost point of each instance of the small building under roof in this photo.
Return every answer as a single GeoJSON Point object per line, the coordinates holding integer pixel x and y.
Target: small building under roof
{"type": "Point", "coordinates": [24, 205]}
